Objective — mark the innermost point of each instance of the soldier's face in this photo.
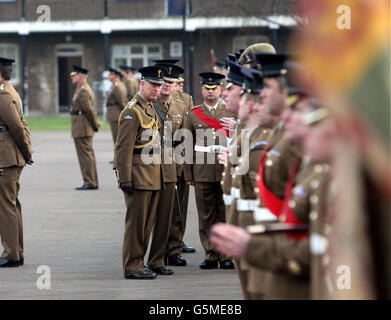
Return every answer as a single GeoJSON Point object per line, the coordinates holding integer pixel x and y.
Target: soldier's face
{"type": "Point", "coordinates": [232, 98]}
{"type": "Point", "coordinates": [273, 96]}
{"type": "Point", "coordinates": [75, 79]}
{"type": "Point", "coordinates": [167, 88]}
{"type": "Point", "coordinates": [243, 111]}
{"type": "Point", "coordinates": [263, 116]}
{"type": "Point", "coordinates": [211, 96]}
{"type": "Point", "coordinates": [295, 130]}
{"type": "Point", "coordinates": [320, 140]}
{"type": "Point", "coordinates": [150, 91]}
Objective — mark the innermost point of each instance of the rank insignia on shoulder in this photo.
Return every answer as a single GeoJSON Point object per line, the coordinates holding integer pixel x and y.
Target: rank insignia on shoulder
{"type": "Point", "coordinates": [131, 103]}
{"type": "Point", "coordinates": [128, 117]}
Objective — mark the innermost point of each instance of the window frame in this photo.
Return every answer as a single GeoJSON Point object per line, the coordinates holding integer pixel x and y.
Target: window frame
{"type": "Point", "coordinates": [129, 56]}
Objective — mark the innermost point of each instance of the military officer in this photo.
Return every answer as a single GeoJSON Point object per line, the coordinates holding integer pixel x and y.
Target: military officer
{"type": "Point", "coordinates": [116, 101]}
{"type": "Point", "coordinates": [230, 158]}
{"type": "Point", "coordinates": [129, 81]}
{"type": "Point", "coordinates": [171, 113]}
{"type": "Point", "coordinates": [178, 226]}
{"type": "Point", "coordinates": [15, 144]}
{"type": "Point", "coordinates": [205, 174]}
{"type": "Point", "coordinates": [252, 115]}
{"type": "Point", "coordinates": [138, 169]}
{"type": "Point", "coordinates": [84, 123]}
{"type": "Point", "coordinates": [285, 255]}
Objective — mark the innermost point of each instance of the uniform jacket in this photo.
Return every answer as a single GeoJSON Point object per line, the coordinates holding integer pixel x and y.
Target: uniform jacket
{"type": "Point", "coordinates": [187, 101]}
{"type": "Point", "coordinates": [137, 117]}
{"type": "Point", "coordinates": [258, 140]}
{"type": "Point", "coordinates": [232, 161]}
{"type": "Point", "coordinates": [15, 142]}
{"type": "Point", "coordinates": [185, 98]}
{"type": "Point", "coordinates": [281, 156]}
{"type": "Point", "coordinates": [174, 115]}
{"type": "Point", "coordinates": [86, 123]}
{"type": "Point", "coordinates": [116, 101]}
{"type": "Point", "coordinates": [205, 172]}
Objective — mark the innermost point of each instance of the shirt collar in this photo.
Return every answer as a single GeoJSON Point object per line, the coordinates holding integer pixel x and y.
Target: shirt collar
{"type": "Point", "coordinates": [212, 107]}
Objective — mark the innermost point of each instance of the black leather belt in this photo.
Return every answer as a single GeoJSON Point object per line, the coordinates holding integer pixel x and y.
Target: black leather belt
{"type": "Point", "coordinates": [151, 151]}
{"type": "Point", "coordinates": [76, 112]}
{"type": "Point", "coordinates": [3, 128]}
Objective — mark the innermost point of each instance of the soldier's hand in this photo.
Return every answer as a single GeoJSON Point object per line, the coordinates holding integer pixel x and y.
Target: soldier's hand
{"type": "Point", "coordinates": [228, 123]}
{"type": "Point", "coordinates": [223, 156]}
{"type": "Point", "coordinates": [127, 187]}
{"type": "Point", "coordinates": [29, 161]}
{"type": "Point", "coordinates": [190, 183]}
{"type": "Point", "coordinates": [230, 240]}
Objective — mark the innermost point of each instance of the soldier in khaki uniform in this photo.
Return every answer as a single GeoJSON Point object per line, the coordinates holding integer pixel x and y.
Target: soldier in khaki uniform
{"type": "Point", "coordinates": [15, 146]}
{"type": "Point", "coordinates": [84, 123]}
{"type": "Point", "coordinates": [252, 115]}
{"type": "Point", "coordinates": [177, 231]}
{"type": "Point", "coordinates": [129, 81]}
{"type": "Point", "coordinates": [171, 113]}
{"type": "Point", "coordinates": [205, 172]}
{"type": "Point", "coordinates": [282, 249]}
{"type": "Point", "coordinates": [116, 101]}
{"type": "Point", "coordinates": [139, 173]}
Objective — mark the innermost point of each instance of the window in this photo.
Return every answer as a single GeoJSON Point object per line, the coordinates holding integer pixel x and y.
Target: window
{"type": "Point", "coordinates": [243, 42]}
{"type": "Point", "coordinates": [10, 51]}
{"type": "Point", "coordinates": [175, 7]}
{"type": "Point", "coordinates": [176, 49]}
{"type": "Point", "coordinates": [136, 55]}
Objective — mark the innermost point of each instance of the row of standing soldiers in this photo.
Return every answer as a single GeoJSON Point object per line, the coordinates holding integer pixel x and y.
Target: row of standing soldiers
{"type": "Point", "coordinates": [261, 170]}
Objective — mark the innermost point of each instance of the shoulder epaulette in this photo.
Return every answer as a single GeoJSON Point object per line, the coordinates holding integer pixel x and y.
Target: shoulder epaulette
{"type": "Point", "coordinates": [195, 107]}
{"type": "Point", "coordinates": [131, 103]}
{"type": "Point", "coordinates": [178, 100]}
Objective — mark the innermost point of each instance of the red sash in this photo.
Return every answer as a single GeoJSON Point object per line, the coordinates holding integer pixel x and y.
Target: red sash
{"type": "Point", "coordinates": [211, 122]}
{"type": "Point", "coordinates": [287, 214]}
{"type": "Point", "coordinates": [270, 201]}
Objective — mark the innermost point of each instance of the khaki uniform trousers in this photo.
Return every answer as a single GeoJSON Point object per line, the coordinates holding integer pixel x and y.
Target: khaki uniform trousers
{"type": "Point", "coordinates": [178, 225]}
{"type": "Point", "coordinates": [254, 285]}
{"type": "Point", "coordinates": [211, 210]}
{"type": "Point", "coordinates": [11, 224]}
{"type": "Point", "coordinates": [141, 208]}
{"type": "Point", "coordinates": [114, 130]}
{"type": "Point", "coordinates": [162, 226]}
{"type": "Point", "coordinates": [86, 156]}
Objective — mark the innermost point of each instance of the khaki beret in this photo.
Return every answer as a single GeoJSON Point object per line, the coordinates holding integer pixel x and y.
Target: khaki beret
{"type": "Point", "coordinates": [248, 55]}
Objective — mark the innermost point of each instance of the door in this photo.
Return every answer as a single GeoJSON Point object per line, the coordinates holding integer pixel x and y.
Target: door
{"type": "Point", "coordinates": [65, 86]}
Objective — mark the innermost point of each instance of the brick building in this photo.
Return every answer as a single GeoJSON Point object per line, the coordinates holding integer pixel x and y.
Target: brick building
{"type": "Point", "coordinates": [47, 39]}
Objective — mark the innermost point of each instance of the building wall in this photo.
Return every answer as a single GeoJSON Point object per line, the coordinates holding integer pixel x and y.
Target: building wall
{"type": "Point", "coordinates": [42, 61]}
{"type": "Point", "coordinates": [123, 9]}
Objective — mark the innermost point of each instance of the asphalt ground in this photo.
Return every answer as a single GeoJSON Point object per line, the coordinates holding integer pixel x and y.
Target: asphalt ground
{"type": "Point", "coordinates": [76, 236]}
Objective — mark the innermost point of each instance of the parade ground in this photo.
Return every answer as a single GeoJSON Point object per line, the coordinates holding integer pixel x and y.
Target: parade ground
{"type": "Point", "coordinates": [73, 239]}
